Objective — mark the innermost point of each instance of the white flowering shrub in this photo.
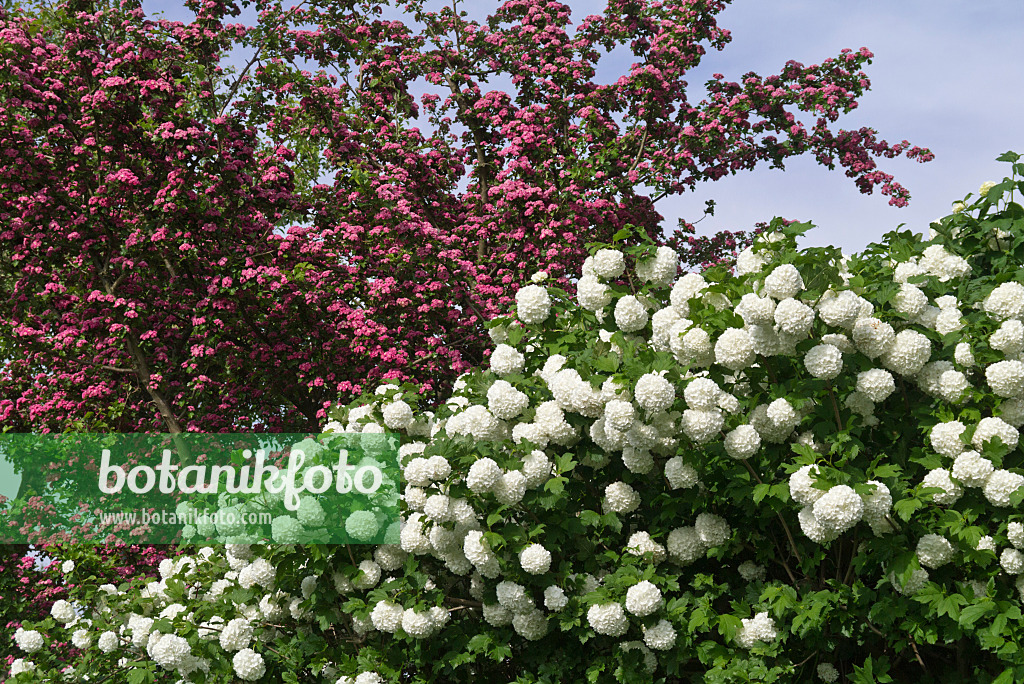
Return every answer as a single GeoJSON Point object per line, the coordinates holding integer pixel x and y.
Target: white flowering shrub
{"type": "Point", "coordinates": [807, 469]}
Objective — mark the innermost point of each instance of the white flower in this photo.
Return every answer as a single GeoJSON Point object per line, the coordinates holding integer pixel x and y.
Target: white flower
{"type": "Point", "coordinates": [1012, 411]}
{"type": "Point", "coordinates": [759, 629]}
{"type": "Point", "coordinates": [368, 577]}
{"type": "Point", "coordinates": [169, 651]}
{"type": "Point", "coordinates": [971, 470]}
{"type": "Point", "coordinates": [1005, 301]}
{"type": "Point", "coordinates": [734, 349]}
{"type": "Point", "coordinates": [397, 415]}
{"type": "Point", "coordinates": [1006, 378]}
{"type": "Point", "coordinates": [948, 320]}
{"type": "Point", "coordinates": [995, 427]}
{"type": "Point", "coordinates": [630, 314]}
{"type": "Point", "coordinates": [531, 625]}
{"type": "Point", "coordinates": [1009, 338]}
{"type": "Point", "coordinates": [505, 360]}
{"type": "Point", "coordinates": [361, 525]}
{"type": "Point", "coordinates": [685, 289]}
{"type": "Point", "coordinates": [248, 665]}
{"type": "Point", "coordinates": [908, 354]}
{"type": "Point", "coordinates": [1012, 561]}
{"type": "Point", "coordinates": [916, 582]}
{"type": "Point", "coordinates": [743, 442]}
{"type": "Point", "coordinates": [67, 567]}
{"type": "Point", "coordinates": [756, 310]}
{"type": "Point", "coordinates": [679, 474]}
{"type": "Point", "coordinates": [643, 598]}
{"type": "Point", "coordinates": [783, 282]}
{"type": "Point", "coordinates": [1015, 534]}
{"type": "Point", "coordinates": [934, 551]}
{"type": "Point", "coordinates": [514, 597]}
{"type": "Point", "coordinates": [416, 624]}
{"type": "Point", "coordinates": [619, 414]}
{"type": "Point", "coordinates": [839, 509]}
{"type": "Point", "coordinates": [483, 476]}
{"type": "Point", "coordinates": [659, 270]}
{"type": "Point", "coordinates": [386, 616]}
{"type": "Point", "coordinates": [794, 317]}
{"type": "Point", "coordinates": [555, 598]}
{"type": "Point", "coordinates": [107, 642]}
{"type": "Point", "coordinates": [533, 305]}
{"type": "Point", "coordinates": [539, 277]}
{"type": "Point", "coordinates": [702, 426]}
{"type": "Point", "coordinates": [910, 300]}
{"type": "Point", "coordinates": [940, 478]}
{"type": "Point", "coordinates": [28, 640]}
{"type": "Point", "coordinates": [999, 486]}
{"type": "Point", "coordinates": [81, 639]}
{"type": "Point", "coordinates": [828, 673]}
{"type": "Point", "coordinates": [608, 618]}
{"type": "Point", "coordinates": [535, 559]}
{"type": "Point", "coordinates": [685, 545]}
{"type": "Point", "coordinates": [986, 543]}
{"type": "Point", "coordinates": [640, 543]}
{"type": "Point", "coordinates": [654, 393]}
{"type": "Point", "coordinates": [842, 310]}
{"type": "Point", "coordinates": [873, 337]}
{"type": "Point", "coordinates": [368, 678]}
{"type": "Point", "coordinates": [609, 263]}
{"type": "Point", "coordinates": [713, 530]}
{"type": "Point", "coordinates": [592, 294]}
{"type": "Point", "coordinates": [497, 615]}
{"type": "Point", "coordinates": [945, 438]}
{"type": "Point", "coordinates": [985, 187]}
{"type": "Point", "coordinates": [801, 486]}
{"type": "Point", "coordinates": [962, 354]}
{"type": "Point", "coordinates": [751, 571]}
{"type": "Point", "coordinates": [511, 488]}
{"type": "Point", "coordinates": [621, 498]}
{"type": "Point", "coordinates": [824, 361]}
{"type": "Point", "coordinates": [661, 636]}
{"type": "Point", "coordinates": [63, 612]}
{"type": "Point", "coordinates": [876, 384]}
{"type": "Point", "coordinates": [505, 401]}
{"type": "Point", "coordinates": [938, 262]}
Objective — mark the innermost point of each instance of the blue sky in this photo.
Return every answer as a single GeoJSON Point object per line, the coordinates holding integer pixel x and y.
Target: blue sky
{"type": "Point", "coordinates": [946, 75]}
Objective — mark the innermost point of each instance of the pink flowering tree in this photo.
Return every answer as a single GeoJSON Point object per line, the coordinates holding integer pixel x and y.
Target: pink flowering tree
{"type": "Point", "coordinates": [186, 246]}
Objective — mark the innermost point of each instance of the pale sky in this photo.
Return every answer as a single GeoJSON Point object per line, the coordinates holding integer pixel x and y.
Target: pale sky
{"type": "Point", "coordinates": [946, 75]}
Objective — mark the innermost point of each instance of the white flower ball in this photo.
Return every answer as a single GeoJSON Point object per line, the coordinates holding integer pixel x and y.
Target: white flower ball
{"type": "Point", "coordinates": [934, 551]}
{"type": "Point", "coordinates": [654, 393]}
{"type": "Point", "coordinates": [592, 294]}
{"type": "Point", "coordinates": [535, 559]}
{"type": "Point", "coordinates": [555, 598]}
{"type": "Point", "coordinates": [659, 270]}
{"type": "Point", "coordinates": [1012, 561]}
{"type": "Point", "coordinates": [873, 337]}
{"type": "Point", "coordinates": [505, 360]}
{"type": "Point", "coordinates": [801, 486]}
{"type": "Point", "coordinates": [751, 571]}
{"type": "Point", "coordinates": [643, 598]}
{"type": "Point", "coordinates": [531, 625]}
{"type": "Point", "coordinates": [533, 305]}
{"type": "Point", "coordinates": [369, 576]}
{"type": "Point", "coordinates": [794, 317]}
{"type": "Point", "coordinates": [759, 629]}
{"type": "Point", "coordinates": [483, 476]}
{"type": "Point", "coordinates": [619, 415]}
{"type": "Point", "coordinates": [713, 530]}
{"type": "Point", "coordinates": [1006, 378]}
{"type": "Point", "coordinates": [1005, 301]}
{"type": "Point", "coordinates": [756, 310]}
{"type": "Point", "coordinates": [679, 474]}
{"type": "Point", "coordinates": [986, 543]}
{"type": "Point", "coordinates": [743, 442]}
{"type": "Point", "coordinates": [67, 567]}
{"type": "Point", "coordinates": [619, 497]}
{"type": "Point", "coordinates": [107, 642]}
{"type": "Point", "coordinates": [824, 361]}
{"type": "Point", "coordinates": [248, 665]}
{"type": "Point", "coordinates": [513, 596]}
{"type": "Point", "coordinates": [397, 415]}
{"type": "Point", "coordinates": [995, 427]}
{"type": "Point", "coordinates": [876, 384]}
{"type": "Point", "coordinates": [630, 314]}
{"type": "Point", "coordinates": [916, 582]}
{"type": "Point", "coordinates": [417, 625]}
{"type": "Point", "coordinates": [685, 289]}
{"type": "Point", "coordinates": [640, 543]}
{"type": "Point", "coordinates": [609, 263]}
{"type": "Point", "coordinates": [685, 545]}
{"type": "Point", "coordinates": [497, 615]}
{"type": "Point", "coordinates": [962, 354]}
{"type": "Point", "coordinates": [387, 616]}
{"type": "Point", "coordinates": [910, 300]}
{"type": "Point", "coordinates": [1012, 411]}
{"type": "Point", "coordinates": [908, 354]}
{"type": "Point", "coordinates": [361, 525]}
{"type": "Point", "coordinates": [945, 438]}
{"type": "Point", "coordinates": [783, 282]}
{"type": "Point", "coordinates": [940, 478]}
{"type": "Point", "coordinates": [63, 612]}
{"type": "Point", "coordinates": [971, 469]}
{"type": "Point", "coordinates": [839, 509]}
{"type": "Point", "coordinates": [28, 640]}
{"type": "Point", "coordinates": [1015, 534]}
{"type": "Point", "coordinates": [702, 394]}
{"type": "Point", "coordinates": [702, 426]}
{"type": "Point", "coordinates": [609, 619]}
{"type": "Point", "coordinates": [236, 634]}
{"type": "Point", "coordinates": [999, 486]}
{"type": "Point", "coordinates": [734, 349]}
{"type": "Point", "coordinates": [505, 401]}
{"type": "Point", "coordinates": [660, 637]}
{"type": "Point", "coordinates": [828, 673]}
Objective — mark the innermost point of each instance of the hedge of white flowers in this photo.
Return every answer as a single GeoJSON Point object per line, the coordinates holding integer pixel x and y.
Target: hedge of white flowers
{"type": "Point", "coordinates": [804, 469]}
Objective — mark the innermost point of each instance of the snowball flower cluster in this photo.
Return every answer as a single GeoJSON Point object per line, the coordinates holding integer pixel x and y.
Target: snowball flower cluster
{"type": "Point", "coordinates": [758, 629]}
